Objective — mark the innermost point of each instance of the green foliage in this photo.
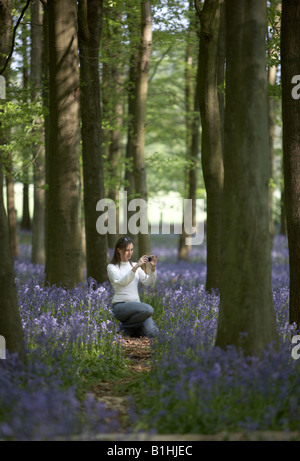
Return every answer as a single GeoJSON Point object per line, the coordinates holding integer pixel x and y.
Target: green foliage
{"type": "Point", "coordinates": [274, 91]}
{"type": "Point", "coordinates": [166, 109]}
{"type": "Point", "coordinates": [171, 15]}
{"type": "Point", "coordinates": [273, 45]}
{"type": "Point", "coordinates": [20, 123]}
{"type": "Point", "coordinates": [166, 114]}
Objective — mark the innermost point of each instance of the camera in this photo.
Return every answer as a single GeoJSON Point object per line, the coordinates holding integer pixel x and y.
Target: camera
{"type": "Point", "coordinates": [149, 258]}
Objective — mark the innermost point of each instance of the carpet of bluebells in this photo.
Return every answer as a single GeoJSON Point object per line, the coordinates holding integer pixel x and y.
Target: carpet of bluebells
{"type": "Point", "coordinates": [192, 387]}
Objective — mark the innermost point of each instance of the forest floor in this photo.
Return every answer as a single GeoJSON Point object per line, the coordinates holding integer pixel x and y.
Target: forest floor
{"type": "Point", "coordinates": [115, 396]}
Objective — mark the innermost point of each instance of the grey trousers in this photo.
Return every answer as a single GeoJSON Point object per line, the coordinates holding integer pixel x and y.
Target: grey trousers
{"type": "Point", "coordinates": [136, 319]}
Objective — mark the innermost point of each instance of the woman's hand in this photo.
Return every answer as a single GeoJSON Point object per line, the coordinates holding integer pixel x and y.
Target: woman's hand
{"type": "Point", "coordinates": [144, 260]}
{"type": "Point", "coordinates": [153, 263]}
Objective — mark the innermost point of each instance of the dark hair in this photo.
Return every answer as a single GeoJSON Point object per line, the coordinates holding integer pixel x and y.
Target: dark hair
{"type": "Point", "coordinates": [121, 244]}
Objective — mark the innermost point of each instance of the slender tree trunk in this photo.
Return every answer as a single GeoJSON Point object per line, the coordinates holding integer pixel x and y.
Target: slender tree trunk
{"type": "Point", "coordinates": [140, 115]}
{"type": "Point", "coordinates": [25, 223]}
{"type": "Point", "coordinates": [38, 224]}
{"type": "Point", "coordinates": [113, 84]}
{"type": "Point", "coordinates": [26, 220]}
{"type": "Point", "coordinates": [272, 80]}
{"type": "Point", "coordinates": [10, 320]}
{"type": "Point", "coordinates": [7, 170]}
{"type": "Point", "coordinates": [63, 246]}
{"type": "Point", "coordinates": [272, 73]}
{"type": "Point", "coordinates": [212, 145]}
{"type": "Point", "coordinates": [90, 26]}
{"type": "Point", "coordinates": [246, 317]}
{"type": "Point", "coordinates": [132, 19]}
{"type": "Point", "coordinates": [115, 151]}
{"type": "Point", "coordinates": [11, 209]}
{"type": "Point", "coordinates": [192, 127]}
{"type": "Point", "coordinates": [290, 58]}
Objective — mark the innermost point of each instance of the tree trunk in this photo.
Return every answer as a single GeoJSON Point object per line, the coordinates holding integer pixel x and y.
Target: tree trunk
{"type": "Point", "coordinates": [246, 318]}
{"type": "Point", "coordinates": [139, 129]}
{"type": "Point", "coordinates": [10, 320]}
{"type": "Point", "coordinates": [5, 43]}
{"type": "Point", "coordinates": [38, 224]}
{"type": "Point", "coordinates": [290, 58]}
{"type": "Point", "coordinates": [132, 19]}
{"type": "Point", "coordinates": [25, 223]}
{"type": "Point", "coordinates": [272, 73]}
{"type": "Point", "coordinates": [90, 25]}
{"type": "Point", "coordinates": [63, 246]}
{"type": "Point", "coordinates": [272, 80]}
{"type": "Point", "coordinates": [11, 209]}
{"type": "Point", "coordinates": [113, 84]}
{"type": "Point", "coordinates": [26, 220]}
{"type": "Point", "coordinates": [212, 143]}
{"type": "Point", "coordinates": [192, 127]}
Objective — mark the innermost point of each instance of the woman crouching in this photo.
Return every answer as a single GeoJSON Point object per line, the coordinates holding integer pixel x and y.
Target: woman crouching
{"type": "Point", "coordinates": [124, 275]}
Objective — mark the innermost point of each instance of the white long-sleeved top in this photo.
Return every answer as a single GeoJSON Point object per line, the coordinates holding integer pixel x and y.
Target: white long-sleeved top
{"type": "Point", "coordinates": [125, 282]}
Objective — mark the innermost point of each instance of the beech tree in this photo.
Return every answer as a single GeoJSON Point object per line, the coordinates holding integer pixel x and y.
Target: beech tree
{"type": "Point", "coordinates": [63, 226]}
{"type": "Point", "coordinates": [132, 20]}
{"type": "Point", "coordinates": [246, 317]}
{"type": "Point", "coordinates": [25, 222]}
{"type": "Point", "coordinates": [211, 122]}
{"type": "Point", "coordinates": [192, 123]}
{"type": "Point", "coordinates": [290, 58]}
{"type": "Point", "coordinates": [113, 60]}
{"type": "Point", "coordinates": [139, 128]}
{"type": "Point", "coordinates": [90, 26]}
{"type": "Point", "coordinates": [10, 199]}
{"type": "Point", "coordinates": [38, 224]}
{"type": "Point", "coordinates": [10, 320]}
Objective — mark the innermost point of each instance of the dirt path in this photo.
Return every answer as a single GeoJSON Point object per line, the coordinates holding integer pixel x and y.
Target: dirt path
{"type": "Point", "coordinates": [138, 351]}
